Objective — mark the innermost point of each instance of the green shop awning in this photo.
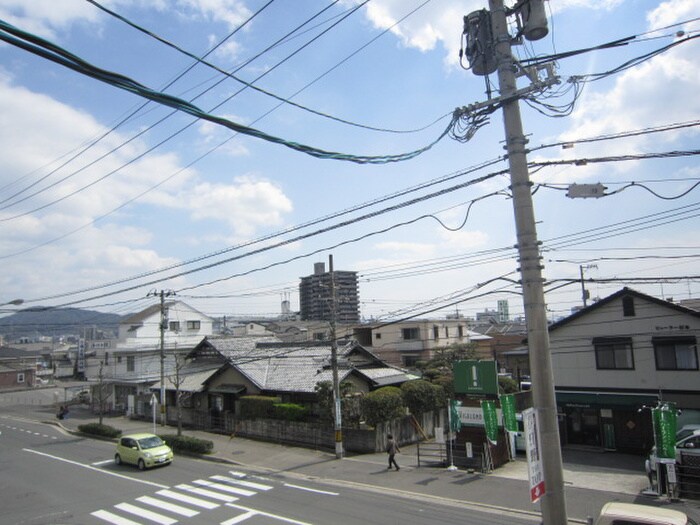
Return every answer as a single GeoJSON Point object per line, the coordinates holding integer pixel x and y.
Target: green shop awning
{"type": "Point", "coordinates": [604, 400]}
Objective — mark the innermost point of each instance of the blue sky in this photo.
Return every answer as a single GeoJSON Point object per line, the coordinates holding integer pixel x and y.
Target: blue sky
{"type": "Point", "coordinates": [99, 228]}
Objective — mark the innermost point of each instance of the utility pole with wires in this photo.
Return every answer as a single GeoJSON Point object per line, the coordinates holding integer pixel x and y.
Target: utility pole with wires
{"type": "Point", "coordinates": [163, 322]}
{"type": "Point", "coordinates": [489, 50]}
{"type": "Point", "coordinates": [337, 409]}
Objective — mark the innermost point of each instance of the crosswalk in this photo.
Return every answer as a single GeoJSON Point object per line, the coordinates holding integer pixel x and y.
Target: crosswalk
{"type": "Point", "coordinates": [186, 500]}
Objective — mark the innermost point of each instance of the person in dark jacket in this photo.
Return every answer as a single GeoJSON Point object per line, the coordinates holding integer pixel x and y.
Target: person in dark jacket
{"type": "Point", "coordinates": [392, 449]}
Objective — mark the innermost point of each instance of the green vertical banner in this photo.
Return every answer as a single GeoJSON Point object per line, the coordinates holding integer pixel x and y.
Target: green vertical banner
{"type": "Point", "coordinates": [488, 408]}
{"type": "Point", "coordinates": [508, 408]}
{"type": "Point", "coordinates": [455, 419]}
{"type": "Point", "coordinates": [665, 430]}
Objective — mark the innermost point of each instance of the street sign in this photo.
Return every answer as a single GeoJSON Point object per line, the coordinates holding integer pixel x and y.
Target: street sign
{"type": "Point", "coordinates": [533, 453]}
{"type": "Point", "coordinates": [475, 377]}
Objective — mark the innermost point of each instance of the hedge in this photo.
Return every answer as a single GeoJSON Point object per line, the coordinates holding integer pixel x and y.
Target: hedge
{"type": "Point", "coordinates": [96, 429]}
{"type": "Point", "coordinates": [188, 444]}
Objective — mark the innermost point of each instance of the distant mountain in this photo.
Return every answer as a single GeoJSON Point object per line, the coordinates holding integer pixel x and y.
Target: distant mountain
{"type": "Point", "coordinates": [37, 321]}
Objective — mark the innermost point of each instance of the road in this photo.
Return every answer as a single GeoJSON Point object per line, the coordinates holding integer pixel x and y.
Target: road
{"type": "Point", "coordinates": [50, 477]}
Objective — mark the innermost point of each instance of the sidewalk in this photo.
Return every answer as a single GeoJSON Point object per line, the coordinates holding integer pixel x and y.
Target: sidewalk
{"type": "Point", "coordinates": [591, 477]}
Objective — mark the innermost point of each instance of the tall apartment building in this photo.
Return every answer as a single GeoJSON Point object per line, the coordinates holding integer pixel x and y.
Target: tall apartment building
{"type": "Point", "coordinates": [315, 296]}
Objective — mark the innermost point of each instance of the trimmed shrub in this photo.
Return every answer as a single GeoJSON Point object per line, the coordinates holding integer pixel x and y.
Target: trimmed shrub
{"type": "Point", "coordinates": [421, 396]}
{"type": "Point", "coordinates": [289, 411]}
{"type": "Point", "coordinates": [96, 429]}
{"type": "Point", "coordinates": [255, 407]}
{"type": "Point", "coordinates": [383, 404]}
{"type": "Point", "coordinates": [188, 444]}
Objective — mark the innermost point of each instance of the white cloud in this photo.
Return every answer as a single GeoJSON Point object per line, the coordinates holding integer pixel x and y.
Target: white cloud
{"type": "Point", "coordinates": [245, 205]}
{"type": "Point", "coordinates": [232, 12]}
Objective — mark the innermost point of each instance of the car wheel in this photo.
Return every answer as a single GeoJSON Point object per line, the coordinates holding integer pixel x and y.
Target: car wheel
{"type": "Point", "coordinates": [142, 465]}
{"type": "Point", "coordinates": [117, 459]}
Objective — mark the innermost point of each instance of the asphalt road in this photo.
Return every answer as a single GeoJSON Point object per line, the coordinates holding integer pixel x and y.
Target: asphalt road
{"type": "Point", "coordinates": [50, 477]}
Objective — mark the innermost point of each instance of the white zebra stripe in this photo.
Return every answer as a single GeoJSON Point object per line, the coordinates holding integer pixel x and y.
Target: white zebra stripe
{"type": "Point", "coordinates": [143, 513]}
{"type": "Point", "coordinates": [249, 484]}
{"type": "Point", "coordinates": [224, 488]}
{"type": "Point", "coordinates": [170, 507]}
{"type": "Point", "coordinates": [112, 518]}
{"type": "Point", "coordinates": [208, 493]}
{"type": "Point", "coordinates": [184, 498]}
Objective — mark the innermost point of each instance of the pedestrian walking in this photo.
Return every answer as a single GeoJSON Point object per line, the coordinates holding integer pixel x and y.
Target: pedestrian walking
{"type": "Point", "coordinates": [392, 449]}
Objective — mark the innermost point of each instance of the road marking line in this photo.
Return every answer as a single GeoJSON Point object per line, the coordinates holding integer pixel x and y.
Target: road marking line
{"type": "Point", "coordinates": [183, 498]}
{"type": "Point", "coordinates": [224, 488]}
{"type": "Point", "coordinates": [237, 474]}
{"type": "Point", "coordinates": [269, 515]}
{"type": "Point", "coordinates": [102, 471]}
{"type": "Point", "coordinates": [143, 513]}
{"type": "Point", "coordinates": [240, 518]}
{"type": "Point", "coordinates": [171, 507]}
{"type": "Point", "coordinates": [103, 462]}
{"type": "Point", "coordinates": [208, 493]}
{"type": "Point", "coordinates": [249, 484]}
{"type": "Point", "coordinates": [311, 490]}
{"type": "Point", "coordinates": [113, 518]}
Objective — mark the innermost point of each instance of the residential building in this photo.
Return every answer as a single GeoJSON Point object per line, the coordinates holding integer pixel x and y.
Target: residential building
{"type": "Point", "coordinates": [405, 343]}
{"type": "Point", "coordinates": [315, 296]}
{"type": "Point", "coordinates": [616, 358]}
{"type": "Point", "coordinates": [18, 368]}
{"type": "Point", "coordinates": [137, 360]}
{"type": "Point", "coordinates": [221, 369]}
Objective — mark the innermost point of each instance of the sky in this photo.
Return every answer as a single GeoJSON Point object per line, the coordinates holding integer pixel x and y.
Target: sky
{"type": "Point", "coordinates": [107, 198]}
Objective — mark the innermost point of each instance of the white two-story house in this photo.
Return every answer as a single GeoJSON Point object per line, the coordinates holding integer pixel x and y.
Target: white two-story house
{"type": "Point", "coordinates": [618, 357]}
{"type": "Point", "coordinates": [134, 365]}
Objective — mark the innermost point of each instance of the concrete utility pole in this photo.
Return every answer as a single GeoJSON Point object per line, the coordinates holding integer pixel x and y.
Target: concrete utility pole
{"type": "Point", "coordinates": [162, 359]}
{"type": "Point", "coordinates": [337, 411]}
{"type": "Point", "coordinates": [553, 504]}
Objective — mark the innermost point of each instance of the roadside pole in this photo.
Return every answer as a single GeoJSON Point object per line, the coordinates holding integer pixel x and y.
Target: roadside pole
{"type": "Point", "coordinates": [337, 409]}
{"type": "Point", "coordinates": [553, 503]}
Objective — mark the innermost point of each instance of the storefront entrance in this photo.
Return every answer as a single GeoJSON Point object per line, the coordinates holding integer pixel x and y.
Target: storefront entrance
{"type": "Point", "coordinates": [583, 426]}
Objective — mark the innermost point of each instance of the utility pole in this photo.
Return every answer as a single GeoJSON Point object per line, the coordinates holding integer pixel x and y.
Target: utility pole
{"type": "Point", "coordinates": [553, 504]}
{"type": "Point", "coordinates": [337, 410]}
{"type": "Point", "coordinates": [162, 359]}
{"type": "Point", "coordinates": [163, 322]}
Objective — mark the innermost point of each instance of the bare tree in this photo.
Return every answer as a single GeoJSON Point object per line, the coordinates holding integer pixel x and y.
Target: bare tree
{"type": "Point", "coordinates": [177, 379]}
{"type": "Point", "coordinates": [102, 393]}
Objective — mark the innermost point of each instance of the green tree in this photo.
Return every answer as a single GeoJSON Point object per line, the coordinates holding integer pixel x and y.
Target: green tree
{"type": "Point", "coordinates": [507, 385]}
{"type": "Point", "coordinates": [383, 404]}
{"type": "Point", "coordinates": [324, 393]}
{"type": "Point", "coordinates": [421, 396]}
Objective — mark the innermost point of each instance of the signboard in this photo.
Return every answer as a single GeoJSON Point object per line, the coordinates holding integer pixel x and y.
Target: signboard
{"type": "Point", "coordinates": [535, 472]}
{"type": "Point", "coordinates": [664, 419]}
{"type": "Point", "coordinates": [510, 422]}
{"type": "Point", "coordinates": [80, 361]}
{"type": "Point", "coordinates": [475, 377]}
{"type": "Point", "coordinates": [490, 420]}
{"type": "Point", "coordinates": [455, 420]}
{"type": "Point", "coordinates": [474, 416]}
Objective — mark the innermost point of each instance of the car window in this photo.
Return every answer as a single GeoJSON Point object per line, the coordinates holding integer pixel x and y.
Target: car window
{"type": "Point", "coordinates": [682, 434]}
{"type": "Point", "coordinates": [150, 442]}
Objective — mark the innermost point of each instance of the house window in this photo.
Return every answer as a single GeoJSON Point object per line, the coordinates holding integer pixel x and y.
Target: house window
{"type": "Point", "coordinates": [193, 325]}
{"type": "Point", "coordinates": [377, 335]}
{"type": "Point", "coordinates": [106, 358]}
{"type": "Point", "coordinates": [460, 331]}
{"type": "Point", "coordinates": [174, 326]}
{"type": "Point", "coordinates": [447, 332]}
{"type": "Point", "coordinates": [628, 306]}
{"type": "Point", "coordinates": [675, 353]}
{"type": "Point", "coordinates": [20, 377]}
{"type": "Point", "coordinates": [119, 359]}
{"type": "Point", "coordinates": [436, 332]}
{"type": "Point", "coordinates": [613, 353]}
{"type": "Point", "coordinates": [319, 336]}
{"type": "Point", "coordinates": [130, 363]}
{"type": "Point", "coordinates": [410, 333]}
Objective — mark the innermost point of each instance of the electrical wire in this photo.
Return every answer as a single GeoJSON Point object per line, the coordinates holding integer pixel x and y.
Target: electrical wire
{"type": "Point", "coordinates": [54, 53]}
